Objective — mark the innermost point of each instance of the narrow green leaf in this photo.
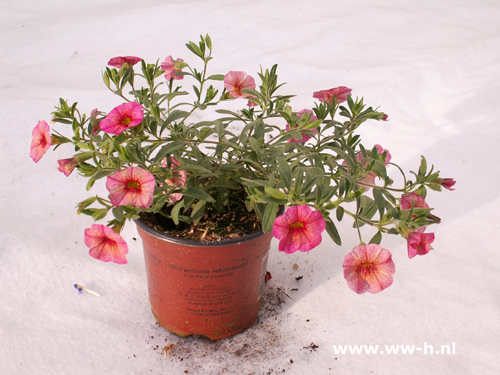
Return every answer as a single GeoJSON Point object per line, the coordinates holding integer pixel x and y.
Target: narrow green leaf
{"type": "Point", "coordinates": [377, 238]}
{"type": "Point", "coordinates": [198, 211]}
{"type": "Point", "coordinates": [197, 194]}
{"type": "Point", "coordinates": [340, 213]}
{"type": "Point", "coordinates": [331, 229]}
{"type": "Point", "coordinates": [379, 201]}
{"type": "Point", "coordinates": [269, 217]}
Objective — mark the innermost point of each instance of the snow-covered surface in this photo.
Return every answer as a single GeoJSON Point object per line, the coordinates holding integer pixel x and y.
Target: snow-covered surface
{"type": "Point", "coordinates": [432, 65]}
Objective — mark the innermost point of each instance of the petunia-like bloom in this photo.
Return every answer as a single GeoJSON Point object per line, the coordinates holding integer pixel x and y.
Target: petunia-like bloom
{"type": "Point", "coordinates": [41, 141]}
{"type": "Point", "coordinates": [122, 118]}
{"type": "Point", "coordinates": [339, 93]}
{"type": "Point", "coordinates": [369, 268]}
{"type": "Point", "coordinates": [299, 228]}
{"type": "Point", "coordinates": [105, 244]}
{"type": "Point", "coordinates": [305, 137]}
{"type": "Point", "coordinates": [171, 66]}
{"type": "Point", "coordinates": [413, 198]}
{"type": "Point", "coordinates": [119, 61]}
{"type": "Point", "coordinates": [134, 186]}
{"type": "Point", "coordinates": [234, 82]}
{"type": "Point", "coordinates": [447, 183]}
{"type": "Point", "coordinates": [67, 166]}
{"type": "Point", "coordinates": [419, 243]}
{"type": "Point", "coordinates": [178, 179]}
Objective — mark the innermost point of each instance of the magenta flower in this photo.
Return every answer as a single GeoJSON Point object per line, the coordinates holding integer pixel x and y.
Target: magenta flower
{"type": "Point", "coordinates": [419, 243]}
{"type": "Point", "coordinates": [171, 66]}
{"type": "Point", "coordinates": [178, 179]}
{"type": "Point", "coordinates": [119, 61]}
{"type": "Point", "coordinates": [447, 183]}
{"type": "Point", "coordinates": [133, 186]}
{"type": "Point", "coordinates": [234, 82]}
{"type": "Point", "coordinates": [413, 198]}
{"type": "Point", "coordinates": [67, 166]}
{"type": "Point", "coordinates": [305, 137]}
{"type": "Point", "coordinates": [105, 244]}
{"type": "Point", "coordinates": [299, 228]}
{"type": "Point", "coordinates": [339, 93]}
{"type": "Point", "coordinates": [122, 118]}
{"type": "Point", "coordinates": [41, 141]}
{"type": "Point", "coordinates": [369, 268]}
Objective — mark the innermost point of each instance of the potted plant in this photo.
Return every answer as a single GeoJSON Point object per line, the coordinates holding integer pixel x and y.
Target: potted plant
{"type": "Point", "coordinates": [208, 194]}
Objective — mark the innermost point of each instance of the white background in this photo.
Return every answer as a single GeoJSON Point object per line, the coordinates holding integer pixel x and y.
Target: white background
{"type": "Point", "coordinates": [432, 65]}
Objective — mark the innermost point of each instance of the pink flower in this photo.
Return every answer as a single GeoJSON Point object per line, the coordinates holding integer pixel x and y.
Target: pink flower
{"type": "Point", "coordinates": [122, 118]}
{"type": "Point", "coordinates": [447, 183]}
{"type": "Point", "coordinates": [41, 141]}
{"type": "Point", "coordinates": [339, 93]}
{"type": "Point", "coordinates": [305, 137]}
{"type": "Point", "coordinates": [299, 229]}
{"type": "Point", "coordinates": [119, 61]}
{"type": "Point", "coordinates": [67, 166]}
{"type": "Point", "coordinates": [419, 243]}
{"type": "Point", "coordinates": [105, 244]}
{"type": "Point", "coordinates": [178, 179]}
{"type": "Point", "coordinates": [234, 82]}
{"type": "Point", "coordinates": [368, 268]}
{"type": "Point", "coordinates": [408, 199]}
{"type": "Point", "coordinates": [171, 66]}
{"type": "Point", "coordinates": [133, 186]}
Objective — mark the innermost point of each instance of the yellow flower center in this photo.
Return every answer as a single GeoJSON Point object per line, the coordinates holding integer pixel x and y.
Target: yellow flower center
{"type": "Point", "coordinates": [297, 224]}
{"type": "Point", "coordinates": [133, 185]}
{"type": "Point", "coordinates": [126, 120]}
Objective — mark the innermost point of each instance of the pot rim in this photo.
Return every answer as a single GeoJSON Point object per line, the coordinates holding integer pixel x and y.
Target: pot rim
{"type": "Point", "coordinates": [199, 243]}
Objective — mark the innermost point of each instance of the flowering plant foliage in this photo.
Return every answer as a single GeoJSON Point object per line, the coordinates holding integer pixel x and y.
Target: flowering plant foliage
{"type": "Point", "coordinates": [156, 158]}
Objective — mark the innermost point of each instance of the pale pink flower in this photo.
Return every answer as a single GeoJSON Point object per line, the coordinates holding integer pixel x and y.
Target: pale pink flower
{"type": "Point", "coordinates": [171, 66]}
{"type": "Point", "coordinates": [369, 268]}
{"type": "Point", "coordinates": [339, 93]}
{"type": "Point", "coordinates": [105, 244]}
{"type": "Point", "coordinates": [67, 166]}
{"type": "Point", "coordinates": [119, 61]}
{"type": "Point", "coordinates": [178, 179]}
{"type": "Point", "coordinates": [234, 82]}
{"type": "Point", "coordinates": [41, 141]}
{"type": "Point", "coordinates": [299, 228]}
{"type": "Point", "coordinates": [134, 186]}
{"type": "Point", "coordinates": [122, 118]}
{"type": "Point", "coordinates": [419, 243]}
{"type": "Point", "coordinates": [413, 198]}
{"type": "Point", "coordinates": [305, 137]}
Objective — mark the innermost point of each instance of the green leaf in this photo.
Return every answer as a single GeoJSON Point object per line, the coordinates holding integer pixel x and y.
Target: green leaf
{"type": "Point", "coordinates": [275, 193]}
{"type": "Point", "coordinates": [168, 149]}
{"type": "Point", "coordinates": [423, 167]}
{"type": "Point", "coordinates": [118, 214]}
{"type": "Point", "coordinates": [197, 194]}
{"type": "Point", "coordinates": [217, 77]}
{"type": "Point", "coordinates": [340, 213]}
{"type": "Point", "coordinates": [285, 171]}
{"type": "Point", "coordinates": [269, 217]}
{"type": "Point", "coordinates": [332, 231]}
{"type": "Point", "coordinates": [377, 238]}
{"type": "Point", "coordinates": [379, 201]}
{"type": "Point", "coordinates": [198, 211]}
{"type": "Point", "coordinates": [174, 115]}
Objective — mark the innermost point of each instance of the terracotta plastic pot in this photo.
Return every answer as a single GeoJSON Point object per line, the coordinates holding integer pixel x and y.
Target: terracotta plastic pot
{"type": "Point", "coordinates": [203, 288]}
